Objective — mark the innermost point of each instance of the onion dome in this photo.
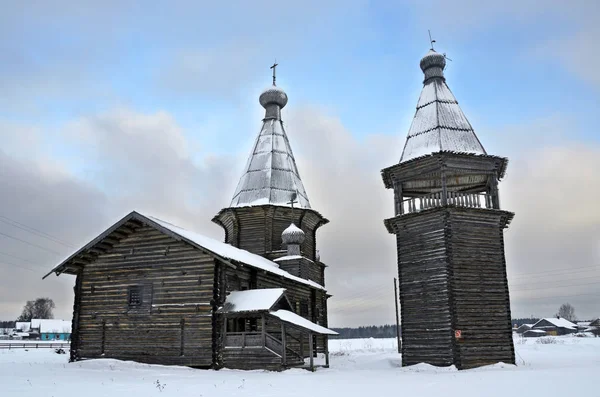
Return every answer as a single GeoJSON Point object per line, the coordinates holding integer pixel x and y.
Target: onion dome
{"type": "Point", "coordinates": [273, 95]}
{"type": "Point", "coordinates": [433, 64]}
{"type": "Point", "coordinates": [293, 235]}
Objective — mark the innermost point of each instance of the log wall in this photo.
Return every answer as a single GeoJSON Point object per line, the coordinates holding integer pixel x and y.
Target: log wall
{"type": "Point", "coordinates": [258, 229]}
{"type": "Point", "coordinates": [173, 324]}
{"type": "Point", "coordinates": [426, 322]}
{"type": "Point", "coordinates": [452, 274]}
{"type": "Point", "coordinates": [480, 296]}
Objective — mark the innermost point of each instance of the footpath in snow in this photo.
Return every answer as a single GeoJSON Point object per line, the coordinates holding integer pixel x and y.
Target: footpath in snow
{"type": "Point", "coordinates": [359, 367]}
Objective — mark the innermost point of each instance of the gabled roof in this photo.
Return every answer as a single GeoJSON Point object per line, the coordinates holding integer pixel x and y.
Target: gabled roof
{"type": "Point", "coordinates": [217, 248]}
{"type": "Point", "coordinates": [558, 322]}
{"type": "Point", "coordinates": [254, 300]}
{"type": "Point", "coordinates": [55, 326]}
{"type": "Point", "coordinates": [439, 123]}
{"type": "Point", "coordinates": [271, 175]}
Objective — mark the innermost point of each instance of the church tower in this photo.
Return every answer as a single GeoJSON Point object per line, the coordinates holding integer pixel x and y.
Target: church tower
{"type": "Point", "coordinates": [449, 233]}
{"type": "Point", "coordinates": [270, 194]}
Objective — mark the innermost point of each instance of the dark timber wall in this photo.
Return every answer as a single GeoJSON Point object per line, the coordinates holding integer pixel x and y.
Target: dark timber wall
{"type": "Point", "coordinates": [452, 274]}
{"type": "Point", "coordinates": [480, 289]}
{"type": "Point", "coordinates": [426, 323]}
{"type": "Point", "coordinates": [173, 324]}
{"type": "Point", "coordinates": [258, 229]}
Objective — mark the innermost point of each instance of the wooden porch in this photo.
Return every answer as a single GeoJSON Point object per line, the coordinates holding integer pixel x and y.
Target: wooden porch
{"type": "Point", "coordinates": [266, 342]}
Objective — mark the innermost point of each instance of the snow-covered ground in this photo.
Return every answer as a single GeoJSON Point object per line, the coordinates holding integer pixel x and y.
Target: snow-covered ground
{"type": "Point", "coordinates": [359, 367]}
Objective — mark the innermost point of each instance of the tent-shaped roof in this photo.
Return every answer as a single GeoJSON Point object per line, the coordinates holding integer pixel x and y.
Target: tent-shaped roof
{"type": "Point", "coordinates": [253, 300]}
{"type": "Point", "coordinates": [271, 175]}
{"type": "Point", "coordinates": [439, 123]}
{"type": "Point", "coordinates": [217, 248]}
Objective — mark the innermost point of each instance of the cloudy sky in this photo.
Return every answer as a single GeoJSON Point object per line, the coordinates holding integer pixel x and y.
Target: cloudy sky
{"type": "Point", "coordinates": [121, 105]}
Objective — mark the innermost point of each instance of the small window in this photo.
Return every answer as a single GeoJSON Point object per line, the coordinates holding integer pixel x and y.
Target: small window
{"type": "Point", "coordinates": [304, 309]}
{"type": "Point", "coordinates": [135, 296]}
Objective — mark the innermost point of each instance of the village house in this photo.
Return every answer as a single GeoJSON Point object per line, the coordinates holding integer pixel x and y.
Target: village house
{"type": "Point", "coordinates": [150, 291]}
{"type": "Point", "coordinates": [523, 328]}
{"type": "Point", "coordinates": [55, 330]}
{"type": "Point", "coordinates": [555, 326]}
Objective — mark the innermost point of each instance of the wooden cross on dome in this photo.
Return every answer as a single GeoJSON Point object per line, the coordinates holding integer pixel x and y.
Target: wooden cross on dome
{"type": "Point", "coordinates": [293, 199]}
{"type": "Point", "coordinates": [274, 68]}
{"type": "Point", "coordinates": [430, 39]}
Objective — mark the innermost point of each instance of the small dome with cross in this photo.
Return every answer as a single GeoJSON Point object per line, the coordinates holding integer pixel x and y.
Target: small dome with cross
{"type": "Point", "coordinates": [273, 95]}
{"type": "Point", "coordinates": [293, 235]}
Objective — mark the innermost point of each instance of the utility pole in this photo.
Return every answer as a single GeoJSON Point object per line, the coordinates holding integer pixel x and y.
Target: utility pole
{"type": "Point", "coordinates": [397, 318]}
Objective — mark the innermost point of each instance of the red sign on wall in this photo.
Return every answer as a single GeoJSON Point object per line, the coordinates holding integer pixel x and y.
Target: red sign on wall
{"type": "Point", "coordinates": [458, 334]}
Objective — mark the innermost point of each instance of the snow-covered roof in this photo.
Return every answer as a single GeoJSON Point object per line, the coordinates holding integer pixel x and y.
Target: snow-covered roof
{"type": "Point", "coordinates": [254, 300]}
{"type": "Point", "coordinates": [230, 252]}
{"type": "Point", "coordinates": [35, 323]}
{"type": "Point", "coordinates": [288, 257]}
{"type": "Point", "coordinates": [558, 322]}
{"type": "Point", "coordinates": [218, 248]}
{"type": "Point", "coordinates": [271, 175]}
{"type": "Point", "coordinates": [55, 326]}
{"type": "Point", "coordinates": [292, 318]}
{"type": "Point", "coordinates": [439, 123]}
{"type": "Point", "coordinates": [23, 326]}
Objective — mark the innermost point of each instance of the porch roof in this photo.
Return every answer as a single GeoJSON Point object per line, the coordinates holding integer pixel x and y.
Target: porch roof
{"type": "Point", "coordinates": [254, 300]}
{"type": "Point", "coordinates": [292, 318]}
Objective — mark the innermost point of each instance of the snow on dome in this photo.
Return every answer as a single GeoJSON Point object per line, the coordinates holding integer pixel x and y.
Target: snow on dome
{"type": "Point", "coordinates": [271, 175]}
{"type": "Point", "coordinates": [439, 123]}
{"type": "Point", "coordinates": [293, 235]}
{"type": "Point", "coordinates": [433, 59]}
{"type": "Point", "coordinates": [273, 95]}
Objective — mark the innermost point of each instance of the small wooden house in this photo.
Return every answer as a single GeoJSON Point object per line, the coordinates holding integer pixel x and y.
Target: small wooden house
{"type": "Point", "coordinates": [523, 328]}
{"type": "Point", "coordinates": [534, 333]}
{"type": "Point", "coordinates": [555, 326]}
{"type": "Point", "coordinates": [149, 291]}
{"type": "Point", "coordinates": [55, 330]}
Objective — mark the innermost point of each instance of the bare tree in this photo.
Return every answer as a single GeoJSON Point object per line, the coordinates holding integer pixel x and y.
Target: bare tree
{"type": "Point", "coordinates": [566, 311]}
{"type": "Point", "coordinates": [39, 308]}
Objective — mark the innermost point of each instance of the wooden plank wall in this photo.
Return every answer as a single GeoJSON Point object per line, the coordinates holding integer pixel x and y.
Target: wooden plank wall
{"type": "Point", "coordinates": [258, 229]}
{"type": "Point", "coordinates": [426, 323]}
{"type": "Point", "coordinates": [173, 324]}
{"type": "Point", "coordinates": [480, 299]}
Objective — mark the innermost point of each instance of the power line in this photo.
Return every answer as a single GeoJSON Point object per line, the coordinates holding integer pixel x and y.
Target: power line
{"type": "Point", "coordinates": [560, 271]}
{"type": "Point", "coordinates": [17, 257]}
{"type": "Point", "coordinates": [561, 286]}
{"type": "Point", "coordinates": [546, 282]}
{"type": "Point", "coordinates": [557, 296]}
{"type": "Point", "coordinates": [30, 243]}
{"type": "Point", "coordinates": [19, 266]}
{"type": "Point", "coordinates": [35, 231]}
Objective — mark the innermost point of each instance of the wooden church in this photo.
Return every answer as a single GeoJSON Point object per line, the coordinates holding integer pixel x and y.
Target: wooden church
{"type": "Point", "coordinates": [449, 232]}
{"type": "Point", "coordinates": [149, 291]}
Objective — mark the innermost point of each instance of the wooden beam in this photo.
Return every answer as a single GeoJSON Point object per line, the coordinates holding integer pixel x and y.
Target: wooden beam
{"type": "Point", "coordinates": [263, 329]}
{"type": "Point", "coordinates": [326, 338]}
{"type": "Point", "coordinates": [310, 347]}
{"type": "Point", "coordinates": [283, 353]}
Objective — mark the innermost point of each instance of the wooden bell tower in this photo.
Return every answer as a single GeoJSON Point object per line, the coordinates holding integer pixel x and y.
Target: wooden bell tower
{"type": "Point", "coordinates": [449, 232]}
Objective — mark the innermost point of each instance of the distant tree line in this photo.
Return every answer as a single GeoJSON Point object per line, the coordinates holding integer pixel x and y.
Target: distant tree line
{"type": "Point", "coordinates": [520, 321]}
{"type": "Point", "coordinates": [7, 324]}
{"type": "Point", "coordinates": [372, 331]}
